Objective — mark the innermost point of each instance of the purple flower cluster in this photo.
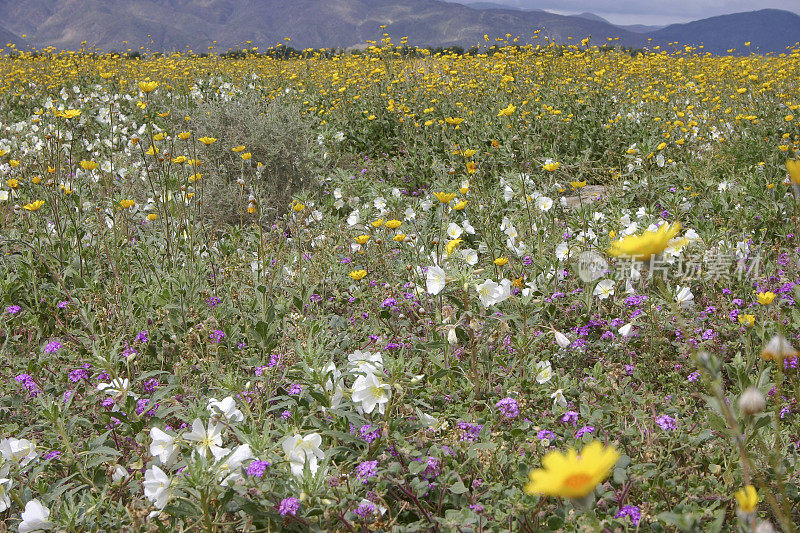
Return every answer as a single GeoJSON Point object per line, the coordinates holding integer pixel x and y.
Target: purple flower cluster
{"type": "Point", "coordinates": [213, 302]}
{"type": "Point", "coordinates": [365, 510]}
{"type": "Point", "coordinates": [257, 468]}
{"type": "Point", "coordinates": [289, 506]}
{"type": "Point", "coordinates": [141, 337]}
{"type": "Point", "coordinates": [508, 407]}
{"type": "Point", "coordinates": [27, 381]}
{"type": "Point", "coordinates": [632, 512]}
{"type": "Point", "coordinates": [52, 347]}
{"type": "Point", "coordinates": [366, 470]}
{"type": "Point", "coordinates": [295, 389]}
{"type": "Point", "coordinates": [79, 374]}
{"type": "Point", "coordinates": [216, 336]}
{"type": "Point", "coordinates": [667, 423]}
{"type": "Point", "coordinates": [583, 431]}
{"type": "Point", "coordinates": [13, 309]}
{"type": "Point", "coordinates": [469, 431]}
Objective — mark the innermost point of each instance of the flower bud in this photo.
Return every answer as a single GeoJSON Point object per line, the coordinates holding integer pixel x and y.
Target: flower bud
{"type": "Point", "coordinates": [751, 401]}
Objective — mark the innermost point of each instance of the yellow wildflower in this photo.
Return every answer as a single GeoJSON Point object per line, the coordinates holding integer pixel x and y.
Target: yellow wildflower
{"type": "Point", "coordinates": [573, 475]}
{"type": "Point", "coordinates": [34, 206]}
{"type": "Point", "coordinates": [647, 244]}
{"type": "Point", "coordinates": [357, 275]}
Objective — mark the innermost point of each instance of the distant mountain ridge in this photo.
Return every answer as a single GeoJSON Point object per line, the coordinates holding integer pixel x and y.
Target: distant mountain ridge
{"type": "Point", "coordinates": [166, 25]}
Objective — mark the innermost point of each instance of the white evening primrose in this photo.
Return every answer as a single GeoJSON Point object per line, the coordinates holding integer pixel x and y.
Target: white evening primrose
{"type": "Point", "coordinates": [371, 392]}
{"type": "Point", "coordinates": [434, 280]}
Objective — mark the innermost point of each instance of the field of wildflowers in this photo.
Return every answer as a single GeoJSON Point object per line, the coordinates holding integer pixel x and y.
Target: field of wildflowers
{"type": "Point", "coordinates": [528, 289]}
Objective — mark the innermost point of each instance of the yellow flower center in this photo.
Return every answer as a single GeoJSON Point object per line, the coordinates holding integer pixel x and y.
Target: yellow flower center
{"type": "Point", "coordinates": [576, 481]}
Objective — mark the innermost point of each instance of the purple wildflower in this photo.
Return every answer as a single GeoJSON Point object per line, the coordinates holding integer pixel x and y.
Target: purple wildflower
{"type": "Point", "coordinates": [216, 336]}
{"type": "Point", "coordinates": [666, 422]}
{"type": "Point", "coordinates": [27, 381]}
{"type": "Point", "coordinates": [365, 510]}
{"type": "Point", "coordinates": [289, 506]}
{"type": "Point", "coordinates": [632, 512]}
{"type": "Point", "coordinates": [295, 389]}
{"type": "Point", "coordinates": [13, 309]}
{"type": "Point", "coordinates": [367, 470]}
{"type": "Point", "coordinates": [508, 407]}
{"type": "Point", "coordinates": [52, 347]}
{"type": "Point", "coordinates": [570, 417]}
{"type": "Point", "coordinates": [257, 468]}
{"type": "Point", "coordinates": [584, 430]}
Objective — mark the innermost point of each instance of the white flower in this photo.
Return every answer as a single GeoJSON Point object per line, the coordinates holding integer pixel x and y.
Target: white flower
{"type": "Point", "coordinates": [562, 340]}
{"type": "Point", "coordinates": [20, 451]}
{"type": "Point", "coordinates": [491, 293]}
{"type": "Point", "coordinates": [5, 485]}
{"type": "Point", "coordinates": [333, 383]}
{"type": "Point", "coordinates": [208, 440]}
{"type": "Point", "coordinates": [230, 464]}
{"type": "Point", "coordinates": [435, 280]}
{"type": "Point", "coordinates": [163, 446]}
{"type": "Point", "coordinates": [564, 251]}
{"type": "Point", "coordinates": [558, 399]}
{"type": "Point", "coordinates": [544, 372]}
{"type": "Point", "coordinates": [303, 450]}
{"type": "Point", "coordinates": [454, 231]}
{"type": "Point", "coordinates": [367, 362]}
{"type": "Point", "coordinates": [544, 203]}
{"type": "Point", "coordinates": [684, 296]}
{"type": "Point", "coordinates": [470, 256]}
{"type": "Point", "coordinates": [3, 196]}
{"type": "Point", "coordinates": [119, 474]}
{"type": "Point", "coordinates": [156, 486]}
{"type": "Point", "coordinates": [371, 392]}
{"type": "Point", "coordinates": [225, 407]}
{"type": "Point", "coordinates": [468, 227]}
{"type": "Point", "coordinates": [354, 218]}
{"type": "Point", "coordinates": [117, 388]}
{"type": "Point", "coordinates": [508, 193]}
{"type": "Point", "coordinates": [626, 330]}
{"type": "Point", "coordinates": [409, 214]}
{"type": "Point", "coordinates": [604, 289]}
{"type": "Point", "coordinates": [35, 517]}
{"type": "Point", "coordinates": [379, 203]}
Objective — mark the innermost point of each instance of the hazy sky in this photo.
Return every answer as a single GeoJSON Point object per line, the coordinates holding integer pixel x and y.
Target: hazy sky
{"type": "Point", "coordinates": [651, 11]}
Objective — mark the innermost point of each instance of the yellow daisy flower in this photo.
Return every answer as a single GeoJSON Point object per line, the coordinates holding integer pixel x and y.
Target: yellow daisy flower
{"type": "Point", "coordinates": [647, 244]}
{"type": "Point", "coordinates": [572, 475]}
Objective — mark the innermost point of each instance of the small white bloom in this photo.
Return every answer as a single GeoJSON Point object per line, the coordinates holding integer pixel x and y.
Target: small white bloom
{"type": "Point", "coordinates": [435, 280]}
{"type": "Point", "coordinates": [604, 289]}
{"type": "Point", "coordinates": [544, 372]}
{"type": "Point", "coordinates": [118, 387]}
{"type": "Point", "coordinates": [156, 486]}
{"type": "Point", "coordinates": [207, 439]}
{"type": "Point", "coordinates": [366, 362]}
{"type": "Point", "coordinates": [491, 293]}
{"type": "Point", "coordinates": [354, 218]}
{"type": "Point", "coordinates": [470, 256]}
{"type": "Point", "coordinates": [371, 392]}
{"type": "Point", "coordinates": [5, 485]}
{"type": "Point", "coordinates": [230, 464]}
{"type": "Point", "coordinates": [684, 297]}
{"type": "Point", "coordinates": [454, 231]}
{"type": "Point", "coordinates": [379, 203]}
{"type": "Point", "coordinates": [225, 407]}
{"type": "Point", "coordinates": [558, 399]}
{"type": "Point", "coordinates": [626, 330]}
{"type": "Point", "coordinates": [35, 517]}
{"type": "Point", "coordinates": [303, 450]}
{"type": "Point", "coordinates": [544, 203]}
{"type": "Point", "coordinates": [562, 340]}
{"type": "Point", "coordinates": [468, 227]}
{"type": "Point", "coordinates": [21, 451]}
{"type": "Point", "coordinates": [119, 474]}
{"type": "Point", "coordinates": [163, 446]}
